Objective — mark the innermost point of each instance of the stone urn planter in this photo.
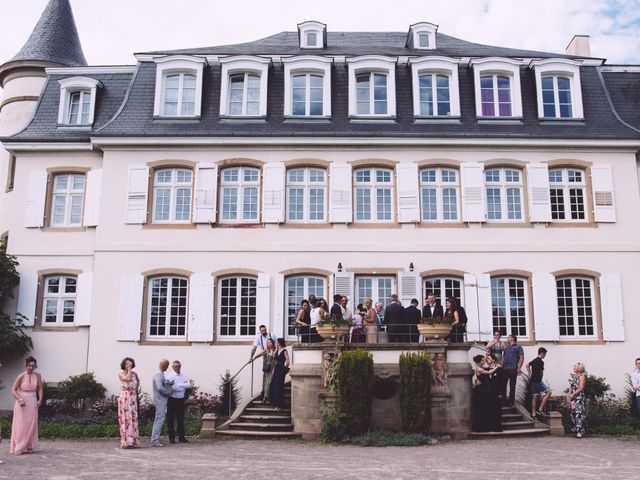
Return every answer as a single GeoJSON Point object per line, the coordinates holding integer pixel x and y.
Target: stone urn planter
{"type": "Point", "coordinates": [438, 330]}
{"type": "Point", "coordinates": [332, 332]}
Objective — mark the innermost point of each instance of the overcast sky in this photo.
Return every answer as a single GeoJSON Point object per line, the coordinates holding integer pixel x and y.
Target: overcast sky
{"type": "Point", "coordinates": [112, 30]}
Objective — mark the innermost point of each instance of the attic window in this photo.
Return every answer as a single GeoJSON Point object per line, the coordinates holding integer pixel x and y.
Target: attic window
{"type": "Point", "coordinates": [312, 34]}
{"type": "Point", "coordinates": [77, 101]}
{"type": "Point", "coordinates": [312, 39]}
{"type": "Point", "coordinates": [178, 91]}
{"type": "Point", "coordinates": [422, 36]}
{"type": "Point", "coordinates": [423, 40]}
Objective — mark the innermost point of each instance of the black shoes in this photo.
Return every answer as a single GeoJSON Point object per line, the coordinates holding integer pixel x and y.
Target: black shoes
{"type": "Point", "coordinates": [183, 440]}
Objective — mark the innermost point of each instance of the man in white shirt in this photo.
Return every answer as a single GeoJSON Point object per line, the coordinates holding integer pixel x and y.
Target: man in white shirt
{"type": "Point", "coordinates": [175, 406]}
{"type": "Point", "coordinates": [347, 314]}
{"type": "Point", "coordinates": [635, 381]}
{"type": "Point", "coordinates": [261, 340]}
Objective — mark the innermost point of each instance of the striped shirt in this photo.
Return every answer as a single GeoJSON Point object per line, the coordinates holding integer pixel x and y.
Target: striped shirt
{"type": "Point", "coordinates": [511, 356]}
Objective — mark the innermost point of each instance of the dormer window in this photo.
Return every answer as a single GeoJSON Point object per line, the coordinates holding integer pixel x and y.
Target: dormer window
{"type": "Point", "coordinates": [178, 87]}
{"type": "Point", "coordinates": [422, 36]}
{"type": "Point", "coordinates": [435, 87]}
{"type": "Point", "coordinates": [497, 88]}
{"type": "Point", "coordinates": [243, 88]}
{"type": "Point", "coordinates": [307, 85]}
{"type": "Point", "coordinates": [559, 91]}
{"type": "Point", "coordinates": [312, 34]}
{"type": "Point", "coordinates": [372, 86]}
{"type": "Point", "coordinates": [77, 101]}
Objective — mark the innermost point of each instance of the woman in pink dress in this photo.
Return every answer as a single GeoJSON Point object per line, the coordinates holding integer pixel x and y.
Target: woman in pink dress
{"type": "Point", "coordinates": [27, 390]}
{"type": "Point", "coordinates": [128, 404]}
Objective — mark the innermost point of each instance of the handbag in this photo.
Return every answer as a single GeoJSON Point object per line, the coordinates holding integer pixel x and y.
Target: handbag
{"type": "Point", "coordinates": [266, 367]}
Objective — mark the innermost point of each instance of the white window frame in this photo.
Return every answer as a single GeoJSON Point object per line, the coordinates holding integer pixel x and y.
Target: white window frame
{"type": "Point", "coordinates": [566, 186]}
{"type": "Point", "coordinates": [312, 65]}
{"type": "Point", "coordinates": [574, 298]}
{"type": "Point", "coordinates": [69, 194]}
{"type": "Point", "coordinates": [439, 185]}
{"type": "Point", "coordinates": [375, 289]}
{"type": "Point", "coordinates": [372, 64]}
{"type": "Point", "coordinates": [238, 307]}
{"type": "Point", "coordinates": [501, 67]}
{"type": "Point", "coordinates": [168, 306]}
{"type": "Point", "coordinates": [180, 64]}
{"type": "Point", "coordinates": [238, 65]}
{"type": "Point", "coordinates": [373, 185]}
{"type": "Point", "coordinates": [558, 67]}
{"type": "Point", "coordinates": [305, 28]}
{"type": "Point", "coordinates": [240, 185]}
{"type": "Point", "coordinates": [69, 86]}
{"type": "Point", "coordinates": [422, 28]}
{"type": "Point", "coordinates": [307, 185]}
{"type": "Point", "coordinates": [61, 297]}
{"type": "Point", "coordinates": [507, 305]}
{"type": "Point", "coordinates": [503, 185]}
{"type": "Point", "coordinates": [173, 187]}
{"type": "Point", "coordinates": [441, 296]}
{"type": "Point", "coordinates": [292, 308]}
{"type": "Point", "coordinates": [436, 66]}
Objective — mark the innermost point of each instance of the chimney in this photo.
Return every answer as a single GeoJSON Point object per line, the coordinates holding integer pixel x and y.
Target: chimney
{"type": "Point", "coordinates": [579, 46]}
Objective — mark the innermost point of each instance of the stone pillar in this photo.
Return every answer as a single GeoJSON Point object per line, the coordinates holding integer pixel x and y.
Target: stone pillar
{"type": "Point", "coordinates": [306, 385]}
{"type": "Point", "coordinates": [208, 430]}
{"type": "Point", "coordinates": [459, 374]}
{"type": "Point", "coordinates": [554, 420]}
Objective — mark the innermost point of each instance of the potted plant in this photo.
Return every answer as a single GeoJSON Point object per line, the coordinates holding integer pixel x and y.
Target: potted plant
{"type": "Point", "coordinates": [434, 327]}
{"type": "Point", "coordinates": [330, 327]}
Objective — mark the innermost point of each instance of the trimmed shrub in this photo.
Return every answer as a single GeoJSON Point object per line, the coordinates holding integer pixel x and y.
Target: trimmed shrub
{"type": "Point", "coordinates": [355, 382]}
{"type": "Point", "coordinates": [78, 388]}
{"type": "Point", "coordinates": [596, 387]}
{"type": "Point", "coordinates": [229, 394]}
{"type": "Point", "coordinates": [334, 429]}
{"type": "Point", "coordinates": [415, 392]}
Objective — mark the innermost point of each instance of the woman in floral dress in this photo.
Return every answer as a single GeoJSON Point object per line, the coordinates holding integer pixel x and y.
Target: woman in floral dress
{"type": "Point", "coordinates": [578, 400]}
{"type": "Point", "coordinates": [128, 404]}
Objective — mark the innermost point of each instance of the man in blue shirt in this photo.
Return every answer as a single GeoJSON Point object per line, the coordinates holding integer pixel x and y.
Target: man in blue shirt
{"type": "Point", "coordinates": [512, 360]}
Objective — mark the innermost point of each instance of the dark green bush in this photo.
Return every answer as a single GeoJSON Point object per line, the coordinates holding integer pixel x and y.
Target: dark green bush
{"type": "Point", "coordinates": [355, 381]}
{"type": "Point", "coordinates": [596, 387]}
{"type": "Point", "coordinates": [77, 388]}
{"type": "Point", "coordinates": [229, 394]}
{"type": "Point", "coordinates": [630, 395]}
{"type": "Point", "coordinates": [415, 392]}
{"type": "Point", "coordinates": [334, 429]}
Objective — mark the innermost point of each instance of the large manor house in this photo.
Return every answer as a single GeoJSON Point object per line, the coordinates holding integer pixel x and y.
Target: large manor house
{"type": "Point", "coordinates": [169, 208]}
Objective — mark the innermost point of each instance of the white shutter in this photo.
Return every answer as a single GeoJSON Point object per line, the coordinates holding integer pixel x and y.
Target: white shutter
{"type": "Point", "coordinates": [36, 197]}
{"type": "Point", "coordinates": [273, 176]}
{"type": "Point", "coordinates": [84, 295]}
{"type": "Point", "coordinates": [130, 308]}
{"type": "Point", "coordinates": [471, 306]}
{"type": "Point", "coordinates": [279, 327]}
{"type": "Point", "coordinates": [409, 286]}
{"type": "Point", "coordinates": [545, 307]}
{"type": "Point", "coordinates": [92, 198]}
{"type": "Point", "coordinates": [343, 284]}
{"type": "Point", "coordinates": [407, 186]}
{"type": "Point", "coordinates": [539, 197]}
{"type": "Point", "coordinates": [472, 184]}
{"type": "Point", "coordinates": [263, 301]}
{"type": "Point", "coordinates": [201, 307]}
{"type": "Point", "coordinates": [612, 312]}
{"type": "Point", "coordinates": [485, 309]}
{"type": "Point", "coordinates": [604, 209]}
{"type": "Point", "coordinates": [137, 191]}
{"type": "Point", "coordinates": [340, 196]}
{"type": "Point", "coordinates": [27, 296]}
{"type": "Point", "coordinates": [206, 193]}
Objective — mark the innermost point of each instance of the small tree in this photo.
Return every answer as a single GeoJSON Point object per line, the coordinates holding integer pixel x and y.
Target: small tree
{"type": "Point", "coordinates": [229, 394]}
{"type": "Point", "coordinates": [415, 392]}
{"type": "Point", "coordinates": [77, 389]}
{"type": "Point", "coordinates": [355, 382]}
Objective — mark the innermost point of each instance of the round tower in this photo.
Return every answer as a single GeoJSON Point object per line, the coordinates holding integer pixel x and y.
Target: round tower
{"type": "Point", "coordinates": [53, 42]}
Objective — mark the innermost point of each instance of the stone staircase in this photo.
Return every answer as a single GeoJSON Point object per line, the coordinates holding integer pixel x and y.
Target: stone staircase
{"type": "Point", "coordinates": [516, 423]}
{"type": "Point", "coordinates": [257, 420]}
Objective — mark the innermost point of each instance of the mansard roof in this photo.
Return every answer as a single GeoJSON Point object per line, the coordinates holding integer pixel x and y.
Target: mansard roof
{"type": "Point", "coordinates": [54, 39]}
{"type": "Point", "coordinates": [624, 89]}
{"type": "Point", "coordinates": [361, 43]}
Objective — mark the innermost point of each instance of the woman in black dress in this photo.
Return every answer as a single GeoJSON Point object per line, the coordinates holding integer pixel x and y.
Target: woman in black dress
{"type": "Point", "coordinates": [303, 320]}
{"type": "Point", "coordinates": [486, 409]}
{"type": "Point", "coordinates": [279, 373]}
{"type": "Point", "coordinates": [456, 314]}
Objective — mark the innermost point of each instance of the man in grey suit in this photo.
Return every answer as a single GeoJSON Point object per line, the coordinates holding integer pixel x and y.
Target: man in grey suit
{"type": "Point", "coordinates": [161, 391]}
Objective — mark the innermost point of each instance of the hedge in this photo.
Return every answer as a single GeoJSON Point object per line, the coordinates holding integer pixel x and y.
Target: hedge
{"type": "Point", "coordinates": [355, 381]}
{"type": "Point", "coordinates": [415, 392]}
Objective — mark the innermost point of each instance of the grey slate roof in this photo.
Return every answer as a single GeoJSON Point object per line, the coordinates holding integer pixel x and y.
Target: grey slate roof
{"type": "Point", "coordinates": [361, 43]}
{"type": "Point", "coordinates": [624, 89]}
{"type": "Point", "coordinates": [55, 38]}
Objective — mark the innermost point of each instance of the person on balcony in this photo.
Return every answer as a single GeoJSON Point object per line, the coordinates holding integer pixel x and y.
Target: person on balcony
{"type": "Point", "coordinates": [370, 321]}
{"type": "Point", "coordinates": [303, 321]}
{"type": "Point", "coordinates": [336, 308]}
{"type": "Point", "coordinates": [346, 311]}
{"type": "Point", "coordinates": [412, 317]}
{"type": "Point", "coordinates": [432, 309]}
{"type": "Point", "coordinates": [394, 319]}
{"type": "Point", "coordinates": [455, 314]}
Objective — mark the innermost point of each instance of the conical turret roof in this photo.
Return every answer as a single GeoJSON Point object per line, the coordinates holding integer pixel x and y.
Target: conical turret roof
{"type": "Point", "coordinates": [55, 38]}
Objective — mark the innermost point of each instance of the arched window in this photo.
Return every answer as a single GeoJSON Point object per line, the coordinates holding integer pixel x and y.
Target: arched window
{"type": "Point", "coordinates": [509, 305]}
{"type": "Point", "coordinates": [306, 194]}
{"type": "Point", "coordinates": [59, 300]}
{"type": "Point", "coordinates": [444, 287]}
{"type": "Point", "coordinates": [504, 194]}
{"type": "Point", "coordinates": [172, 195]}
{"type": "Point", "coordinates": [237, 306]}
{"type": "Point", "coordinates": [439, 194]}
{"type": "Point", "coordinates": [67, 200]}
{"type": "Point", "coordinates": [239, 193]}
{"type": "Point", "coordinates": [298, 288]}
{"type": "Point", "coordinates": [167, 300]}
{"type": "Point", "coordinates": [373, 191]}
{"type": "Point", "coordinates": [179, 95]}
{"type": "Point", "coordinates": [576, 305]}
{"type": "Point", "coordinates": [567, 189]}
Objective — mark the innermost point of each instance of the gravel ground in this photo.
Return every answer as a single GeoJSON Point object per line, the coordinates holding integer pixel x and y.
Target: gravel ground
{"type": "Point", "coordinates": [535, 458]}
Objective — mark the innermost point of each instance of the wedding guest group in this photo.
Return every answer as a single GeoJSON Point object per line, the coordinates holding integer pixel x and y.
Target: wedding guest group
{"type": "Point", "coordinates": [486, 406]}
{"type": "Point", "coordinates": [27, 391]}
{"type": "Point", "coordinates": [275, 367]}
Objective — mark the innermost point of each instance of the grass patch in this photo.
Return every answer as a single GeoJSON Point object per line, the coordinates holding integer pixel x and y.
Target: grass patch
{"type": "Point", "coordinates": [392, 439]}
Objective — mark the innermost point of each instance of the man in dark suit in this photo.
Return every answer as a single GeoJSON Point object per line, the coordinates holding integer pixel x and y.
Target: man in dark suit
{"type": "Point", "coordinates": [394, 319]}
{"type": "Point", "coordinates": [336, 309]}
{"type": "Point", "coordinates": [412, 317]}
{"type": "Point", "coordinates": [431, 309]}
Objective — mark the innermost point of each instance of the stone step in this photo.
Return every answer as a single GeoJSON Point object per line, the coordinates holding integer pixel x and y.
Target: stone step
{"type": "Point", "coordinates": [263, 410]}
{"type": "Point", "coordinates": [519, 424]}
{"type": "Point", "coordinates": [276, 427]}
{"type": "Point", "coordinates": [524, 432]}
{"type": "Point", "coordinates": [509, 410]}
{"type": "Point", "coordinates": [511, 417]}
{"type": "Point", "coordinates": [257, 434]}
{"type": "Point", "coordinates": [264, 419]}
{"type": "Point", "coordinates": [259, 404]}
